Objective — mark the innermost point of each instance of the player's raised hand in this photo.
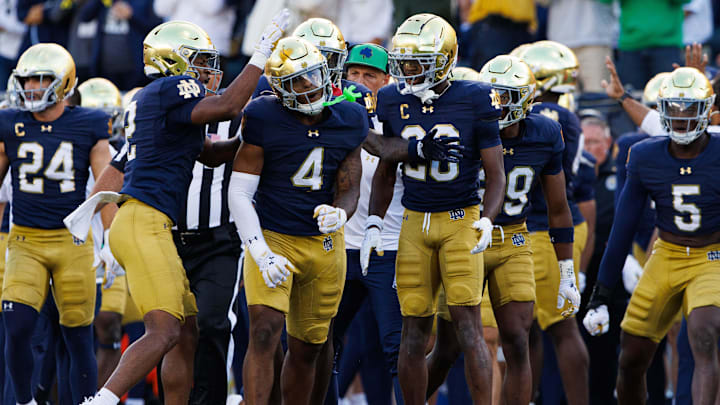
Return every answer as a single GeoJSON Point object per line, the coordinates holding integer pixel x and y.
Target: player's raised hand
{"type": "Point", "coordinates": [632, 270]}
{"type": "Point", "coordinates": [694, 57]}
{"type": "Point", "coordinates": [568, 291]}
{"type": "Point", "coordinates": [273, 32]}
{"type": "Point", "coordinates": [372, 240]}
{"type": "Point", "coordinates": [439, 148]}
{"type": "Point", "coordinates": [275, 269]}
{"type": "Point", "coordinates": [329, 218]}
{"type": "Point", "coordinates": [614, 88]}
{"type": "Point", "coordinates": [485, 227]}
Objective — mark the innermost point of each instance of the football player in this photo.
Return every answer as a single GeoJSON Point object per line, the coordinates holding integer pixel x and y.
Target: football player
{"type": "Point", "coordinates": [678, 173]}
{"type": "Point", "coordinates": [439, 235]}
{"type": "Point", "coordinates": [164, 128]}
{"type": "Point", "coordinates": [305, 157]}
{"type": "Point", "coordinates": [533, 153]}
{"type": "Point", "coordinates": [555, 68]}
{"type": "Point", "coordinates": [100, 93]}
{"type": "Point", "coordinates": [50, 149]}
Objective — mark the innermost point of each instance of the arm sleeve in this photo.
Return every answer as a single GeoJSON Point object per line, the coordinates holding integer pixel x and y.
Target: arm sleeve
{"type": "Point", "coordinates": [627, 217]}
{"type": "Point", "coordinates": [240, 194]}
{"type": "Point", "coordinates": [120, 159]}
{"type": "Point", "coordinates": [652, 125]}
{"type": "Point", "coordinates": [621, 174]}
{"type": "Point", "coordinates": [179, 97]}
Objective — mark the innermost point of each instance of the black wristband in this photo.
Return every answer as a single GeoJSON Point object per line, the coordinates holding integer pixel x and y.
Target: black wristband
{"type": "Point", "coordinates": [600, 295]}
{"type": "Point", "coordinates": [625, 95]}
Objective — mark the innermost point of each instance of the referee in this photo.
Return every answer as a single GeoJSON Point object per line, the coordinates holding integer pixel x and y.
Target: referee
{"type": "Point", "coordinates": [209, 246]}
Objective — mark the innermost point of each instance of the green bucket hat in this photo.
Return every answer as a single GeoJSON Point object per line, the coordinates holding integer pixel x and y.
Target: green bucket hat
{"type": "Point", "coordinates": [369, 55]}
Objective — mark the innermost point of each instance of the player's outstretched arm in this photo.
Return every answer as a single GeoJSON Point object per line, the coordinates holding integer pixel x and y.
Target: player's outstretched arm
{"type": "Point", "coordinates": [627, 217]}
{"type": "Point", "coordinates": [229, 104]}
{"type": "Point", "coordinates": [494, 167]}
{"type": "Point", "coordinates": [244, 182]}
{"type": "Point", "coordinates": [396, 149]}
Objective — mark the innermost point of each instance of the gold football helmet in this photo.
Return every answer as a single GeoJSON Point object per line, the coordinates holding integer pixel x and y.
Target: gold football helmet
{"type": "Point", "coordinates": [554, 65]}
{"type": "Point", "coordinates": [424, 51]}
{"type": "Point", "coordinates": [464, 73]}
{"type": "Point", "coordinates": [102, 94]}
{"type": "Point", "coordinates": [518, 51]}
{"type": "Point", "coordinates": [684, 102]}
{"type": "Point", "coordinates": [127, 97]}
{"type": "Point", "coordinates": [182, 48]}
{"type": "Point", "coordinates": [328, 39]}
{"type": "Point", "coordinates": [514, 83]}
{"type": "Point", "coordinates": [43, 61]}
{"type": "Point", "coordinates": [299, 75]}
{"type": "Point", "coordinates": [652, 88]}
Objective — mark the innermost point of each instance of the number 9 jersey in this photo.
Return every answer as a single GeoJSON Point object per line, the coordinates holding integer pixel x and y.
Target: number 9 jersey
{"type": "Point", "coordinates": [50, 162]}
{"type": "Point", "coordinates": [468, 111]}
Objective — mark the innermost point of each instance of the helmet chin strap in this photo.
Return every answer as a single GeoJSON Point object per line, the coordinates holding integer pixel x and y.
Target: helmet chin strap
{"type": "Point", "coordinates": [428, 95]}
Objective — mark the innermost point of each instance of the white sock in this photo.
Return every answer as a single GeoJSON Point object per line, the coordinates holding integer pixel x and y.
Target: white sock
{"type": "Point", "coordinates": [32, 402]}
{"type": "Point", "coordinates": [105, 397]}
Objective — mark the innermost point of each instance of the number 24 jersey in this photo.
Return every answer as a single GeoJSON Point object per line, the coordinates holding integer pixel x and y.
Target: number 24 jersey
{"type": "Point", "coordinates": [468, 111]}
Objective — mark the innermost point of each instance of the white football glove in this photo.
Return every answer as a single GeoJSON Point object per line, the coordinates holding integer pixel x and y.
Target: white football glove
{"type": "Point", "coordinates": [329, 218]}
{"type": "Point", "coordinates": [272, 33]}
{"type": "Point", "coordinates": [112, 268]}
{"type": "Point", "coordinates": [597, 320]}
{"type": "Point", "coordinates": [568, 292]}
{"type": "Point", "coordinates": [582, 281]}
{"type": "Point", "coordinates": [275, 269]}
{"type": "Point", "coordinates": [485, 227]}
{"type": "Point", "coordinates": [631, 273]}
{"type": "Point", "coordinates": [372, 240]}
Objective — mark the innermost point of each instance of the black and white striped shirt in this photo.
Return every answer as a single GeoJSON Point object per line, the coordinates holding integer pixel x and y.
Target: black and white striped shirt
{"type": "Point", "coordinates": [207, 199]}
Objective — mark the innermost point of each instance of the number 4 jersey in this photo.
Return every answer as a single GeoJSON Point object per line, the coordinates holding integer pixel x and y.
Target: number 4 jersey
{"type": "Point", "coordinates": [301, 161]}
{"type": "Point", "coordinates": [468, 111]}
{"type": "Point", "coordinates": [50, 162]}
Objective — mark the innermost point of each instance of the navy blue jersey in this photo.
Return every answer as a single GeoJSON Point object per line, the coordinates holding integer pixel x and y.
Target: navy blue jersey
{"type": "Point", "coordinates": [162, 142]}
{"type": "Point", "coordinates": [5, 226]}
{"type": "Point", "coordinates": [301, 161]}
{"type": "Point", "coordinates": [685, 192]}
{"type": "Point", "coordinates": [263, 88]}
{"type": "Point", "coordinates": [537, 217]}
{"type": "Point", "coordinates": [584, 189]}
{"type": "Point", "coordinates": [465, 111]}
{"type": "Point", "coordinates": [50, 162]}
{"type": "Point", "coordinates": [647, 224]}
{"type": "Point", "coordinates": [537, 151]}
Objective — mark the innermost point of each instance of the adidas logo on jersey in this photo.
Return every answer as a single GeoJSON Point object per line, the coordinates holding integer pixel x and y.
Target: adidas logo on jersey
{"type": "Point", "coordinates": [328, 243]}
{"type": "Point", "coordinates": [457, 214]}
{"type": "Point", "coordinates": [518, 239]}
{"type": "Point", "coordinates": [713, 255]}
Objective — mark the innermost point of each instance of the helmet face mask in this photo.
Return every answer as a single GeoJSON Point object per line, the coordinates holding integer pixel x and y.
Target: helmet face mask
{"type": "Point", "coordinates": [37, 99]}
{"type": "Point", "coordinates": [414, 74]}
{"type": "Point", "coordinates": [685, 120]}
{"type": "Point", "coordinates": [513, 102]}
{"type": "Point", "coordinates": [305, 91]}
{"type": "Point", "coordinates": [336, 63]}
{"type": "Point", "coordinates": [513, 87]}
{"type": "Point", "coordinates": [205, 62]}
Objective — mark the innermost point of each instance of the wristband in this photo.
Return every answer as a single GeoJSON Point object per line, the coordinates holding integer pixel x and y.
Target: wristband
{"type": "Point", "coordinates": [567, 270]}
{"type": "Point", "coordinates": [600, 295]}
{"type": "Point", "coordinates": [625, 95]}
{"type": "Point", "coordinates": [258, 59]}
{"type": "Point", "coordinates": [562, 235]}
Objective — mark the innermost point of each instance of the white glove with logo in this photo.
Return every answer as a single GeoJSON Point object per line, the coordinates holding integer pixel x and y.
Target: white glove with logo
{"type": "Point", "coordinates": [272, 33]}
{"type": "Point", "coordinates": [632, 271]}
{"type": "Point", "coordinates": [112, 268]}
{"type": "Point", "coordinates": [568, 291]}
{"type": "Point", "coordinates": [597, 320]}
{"type": "Point", "coordinates": [329, 218]}
{"type": "Point", "coordinates": [275, 269]}
{"type": "Point", "coordinates": [372, 240]}
{"type": "Point", "coordinates": [485, 227]}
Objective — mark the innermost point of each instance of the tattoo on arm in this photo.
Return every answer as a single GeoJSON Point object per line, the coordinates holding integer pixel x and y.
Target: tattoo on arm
{"type": "Point", "coordinates": [348, 182]}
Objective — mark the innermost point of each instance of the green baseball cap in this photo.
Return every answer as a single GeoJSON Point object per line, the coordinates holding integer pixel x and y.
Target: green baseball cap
{"type": "Point", "coordinates": [369, 55]}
